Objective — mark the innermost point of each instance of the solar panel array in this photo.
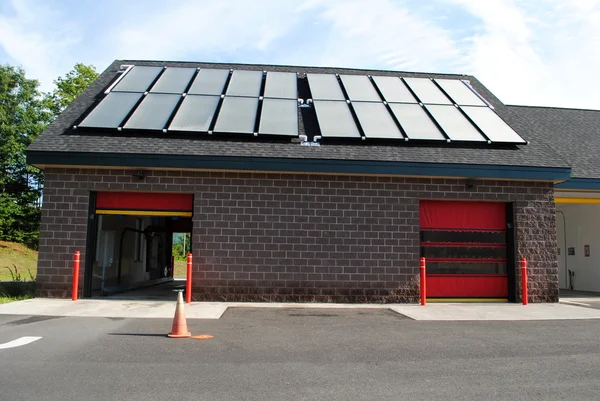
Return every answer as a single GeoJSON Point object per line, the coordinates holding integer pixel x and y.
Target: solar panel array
{"type": "Point", "coordinates": [200, 101]}
{"type": "Point", "coordinates": [194, 100]}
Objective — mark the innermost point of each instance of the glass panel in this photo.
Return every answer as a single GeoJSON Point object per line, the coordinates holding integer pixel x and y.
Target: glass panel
{"type": "Point", "coordinates": [245, 83]}
{"type": "Point", "coordinates": [325, 87]}
{"type": "Point", "coordinates": [174, 80]}
{"type": "Point", "coordinates": [460, 93]}
{"type": "Point", "coordinates": [492, 125]}
{"type": "Point", "coordinates": [394, 90]}
{"type": "Point", "coordinates": [195, 113]}
{"type": "Point", "coordinates": [112, 110]}
{"type": "Point", "coordinates": [490, 237]}
{"type": "Point", "coordinates": [427, 91]}
{"type": "Point", "coordinates": [138, 79]}
{"type": "Point", "coordinates": [465, 268]}
{"type": "Point", "coordinates": [415, 122]}
{"type": "Point", "coordinates": [153, 113]}
{"type": "Point", "coordinates": [376, 121]}
{"type": "Point", "coordinates": [360, 88]}
{"type": "Point", "coordinates": [468, 252]}
{"type": "Point", "coordinates": [209, 82]}
{"type": "Point", "coordinates": [454, 123]}
{"type": "Point", "coordinates": [335, 120]}
{"type": "Point", "coordinates": [283, 85]}
{"type": "Point", "coordinates": [237, 115]}
{"type": "Point", "coordinates": [279, 117]}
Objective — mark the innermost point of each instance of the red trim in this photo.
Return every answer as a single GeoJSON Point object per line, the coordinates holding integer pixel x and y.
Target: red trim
{"type": "Point", "coordinates": [467, 285]}
{"type": "Point", "coordinates": [465, 215]}
{"type": "Point", "coordinates": [144, 201]}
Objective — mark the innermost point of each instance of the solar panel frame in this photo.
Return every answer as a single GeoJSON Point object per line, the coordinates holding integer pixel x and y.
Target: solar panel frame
{"type": "Point", "coordinates": [460, 93]}
{"type": "Point", "coordinates": [494, 127]}
{"type": "Point", "coordinates": [415, 122]}
{"type": "Point", "coordinates": [173, 80]}
{"type": "Point", "coordinates": [394, 90]}
{"type": "Point", "coordinates": [360, 88]}
{"type": "Point", "coordinates": [138, 79]}
{"type": "Point", "coordinates": [376, 121]}
{"type": "Point", "coordinates": [335, 119]}
{"type": "Point", "coordinates": [195, 114]}
{"type": "Point", "coordinates": [209, 81]}
{"type": "Point", "coordinates": [426, 91]}
{"type": "Point", "coordinates": [241, 123]}
{"type": "Point", "coordinates": [454, 123]}
{"type": "Point", "coordinates": [111, 111]}
{"type": "Point", "coordinates": [153, 112]}
{"type": "Point", "coordinates": [325, 87]}
{"type": "Point", "coordinates": [279, 117]}
{"type": "Point", "coordinates": [281, 85]}
{"type": "Point", "coordinates": [245, 83]}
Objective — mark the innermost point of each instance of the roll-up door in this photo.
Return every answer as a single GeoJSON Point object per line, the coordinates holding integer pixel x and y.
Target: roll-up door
{"type": "Point", "coordinates": [144, 204]}
{"type": "Point", "coordinates": [465, 246]}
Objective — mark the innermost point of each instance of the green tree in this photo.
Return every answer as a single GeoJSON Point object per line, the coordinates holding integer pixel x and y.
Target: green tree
{"type": "Point", "coordinates": [23, 116]}
{"type": "Point", "coordinates": [69, 87]}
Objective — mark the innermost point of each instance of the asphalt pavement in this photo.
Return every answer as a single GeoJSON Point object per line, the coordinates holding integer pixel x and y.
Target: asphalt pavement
{"type": "Point", "coordinates": [299, 354]}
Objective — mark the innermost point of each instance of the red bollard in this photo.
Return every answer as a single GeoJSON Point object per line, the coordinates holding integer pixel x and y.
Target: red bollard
{"type": "Point", "coordinates": [525, 293]}
{"type": "Point", "coordinates": [188, 283]}
{"type": "Point", "coordinates": [75, 289]}
{"type": "Point", "coordinates": [423, 284]}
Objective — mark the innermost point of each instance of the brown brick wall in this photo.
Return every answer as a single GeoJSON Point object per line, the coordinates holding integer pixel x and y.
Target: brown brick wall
{"type": "Point", "coordinates": [294, 237]}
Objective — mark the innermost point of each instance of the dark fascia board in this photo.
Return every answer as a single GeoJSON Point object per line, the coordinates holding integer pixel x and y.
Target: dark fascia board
{"type": "Point", "coordinates": [40, 158]}
{"type": "Point", "coordinates": [592, 184]}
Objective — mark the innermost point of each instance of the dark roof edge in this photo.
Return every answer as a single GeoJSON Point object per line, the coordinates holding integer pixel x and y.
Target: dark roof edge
{"type": "Point", "coordinates": [581, 184]}
{"type": "Point", "coordinates": [553, 174]}
{"type": "Point", "coordinates": [550, 107]}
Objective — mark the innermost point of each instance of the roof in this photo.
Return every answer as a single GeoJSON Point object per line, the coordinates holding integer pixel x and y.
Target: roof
{"type": "Point", "coordinates": [58, 142]}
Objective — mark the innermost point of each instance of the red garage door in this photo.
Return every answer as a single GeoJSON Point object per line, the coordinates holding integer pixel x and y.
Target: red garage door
{"type": "Point", "coordinates": [144, 204]}
{"type": "Point", "coordinates": [465, 247]}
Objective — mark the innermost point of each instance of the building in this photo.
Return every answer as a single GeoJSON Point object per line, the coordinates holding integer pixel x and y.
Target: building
{"type": "Point", "coordinates": [298, 184]}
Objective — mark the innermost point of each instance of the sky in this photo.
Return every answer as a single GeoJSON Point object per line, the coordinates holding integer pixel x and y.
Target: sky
{"type": "Point", "coordinates": [529, 52]}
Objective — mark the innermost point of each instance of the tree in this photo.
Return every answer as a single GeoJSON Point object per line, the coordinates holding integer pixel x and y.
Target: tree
{"type": "Point", "coordinates": [24, 114]}
{"type": "Point", "coordinates": [69, 87]}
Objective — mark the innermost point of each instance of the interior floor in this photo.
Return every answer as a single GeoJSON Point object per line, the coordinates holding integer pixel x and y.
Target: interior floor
{"type": "Point", "coordinates": [159, 292]}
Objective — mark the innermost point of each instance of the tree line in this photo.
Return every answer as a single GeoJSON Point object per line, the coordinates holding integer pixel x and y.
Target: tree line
{"type": "Point", "coordinates": [25, 112]}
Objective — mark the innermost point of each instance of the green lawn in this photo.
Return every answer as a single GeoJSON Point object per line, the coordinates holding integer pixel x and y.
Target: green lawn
{"type": "Point", "coordinates": [12, 254]}
{"type": "Point", "coordinates": [4, 299]}
{"type": "Point", "coordinates": [180, 268]}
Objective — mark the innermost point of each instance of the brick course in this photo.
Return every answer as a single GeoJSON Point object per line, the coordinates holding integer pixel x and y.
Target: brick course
{"type": "Point", "coordinates": [297, 237]}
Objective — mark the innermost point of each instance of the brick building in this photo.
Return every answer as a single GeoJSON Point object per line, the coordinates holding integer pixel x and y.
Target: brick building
{"type": "Point", "coordinates": [296, 189]}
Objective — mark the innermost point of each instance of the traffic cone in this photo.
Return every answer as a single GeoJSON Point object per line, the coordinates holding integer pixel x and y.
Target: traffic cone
{"type": "Point", "coordinates": [179, 329]}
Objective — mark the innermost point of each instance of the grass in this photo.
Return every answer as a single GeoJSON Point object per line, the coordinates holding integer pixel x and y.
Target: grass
{"type": "Point", "coordinates": [13, 254]}
{"type": "Point", "coordinates": [180, 268]}
{"type": "Point", "coordinates": [4, 299]}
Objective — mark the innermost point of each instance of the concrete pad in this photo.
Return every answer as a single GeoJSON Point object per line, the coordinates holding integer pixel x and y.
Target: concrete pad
{"type": "Point", "coordinates": [111, 308]}
{"type": "Point", "coordinates": [441, 312]}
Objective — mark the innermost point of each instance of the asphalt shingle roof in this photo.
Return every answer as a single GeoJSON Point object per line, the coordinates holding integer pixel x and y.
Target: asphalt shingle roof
{"type": "Point", "coordinates": [58, 138]}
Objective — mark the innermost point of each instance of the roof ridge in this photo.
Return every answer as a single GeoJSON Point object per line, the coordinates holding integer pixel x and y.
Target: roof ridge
{"type": "Point", "coordinates": [551, 107]}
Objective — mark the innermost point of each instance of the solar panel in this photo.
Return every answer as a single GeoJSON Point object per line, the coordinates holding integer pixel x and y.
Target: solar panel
{"type": "Point", "coordinates": [460, 93]}
{"type": "Point", "coordinates": [376, 121]}
{"type": "Point", "coordinates": [492, 125]}
{"type": "Point", "coordinates": [112, 110]}
{"type": "Point", "coordinates": [245, 83]}
{"type": "Point", "coordinates": [325, 87]}
{"type": "Point", "coordinates": [282, 85]}
{"type": "Point", "coordinates": [153, 113]}
{"type": "Point", "coordinates": [360, 88]}
{"type": "Point", "coordinates": [335, 119]}
{"type": "Point", "coordinates": [138, 79]}
{"type": "Point", "coordinates": [209, 82]}
{"type": "Point", "coordinates": [454, 123]}
{"type": "Point", "coordinates": [279, 117]}
{"type": "Point", "coordinates": [173, 80]}
{"type": "Point", "coordinates": [427, 91]}
{"type": "Point", "coordinates": [415, 122]}
{"type": "Point", "coordinates": [237, 115]}
{"type": "Point", "coordinates": [195, 113]}
{"type": "Point", "coordinates": [394, 90]}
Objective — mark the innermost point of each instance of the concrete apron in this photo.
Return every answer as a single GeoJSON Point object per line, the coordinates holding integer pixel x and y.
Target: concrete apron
{"type": "Point", "coordinates": [214, 310]}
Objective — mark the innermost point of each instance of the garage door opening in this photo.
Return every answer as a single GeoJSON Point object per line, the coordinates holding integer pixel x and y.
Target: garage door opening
{"type": "Point", "coordinates": [133, 244]}
{"type": "Point", "coordinates": [467, 251]}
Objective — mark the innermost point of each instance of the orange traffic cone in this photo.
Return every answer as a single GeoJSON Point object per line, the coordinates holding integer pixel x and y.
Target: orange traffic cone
{"type": "Point", "coordinates": [179, 329]}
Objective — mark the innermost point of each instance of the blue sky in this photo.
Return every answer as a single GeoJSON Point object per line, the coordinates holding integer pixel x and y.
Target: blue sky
{"type": "Point", "coordinates": [536, 52]}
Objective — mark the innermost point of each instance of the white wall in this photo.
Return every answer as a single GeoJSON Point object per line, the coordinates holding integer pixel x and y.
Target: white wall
{"type": "Point", "coordinates": [581, 227]}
